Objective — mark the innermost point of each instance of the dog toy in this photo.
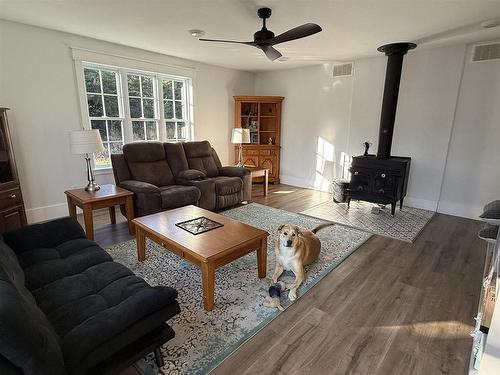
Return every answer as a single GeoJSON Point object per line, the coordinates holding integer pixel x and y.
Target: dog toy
{"type": "Point", "coordinates": [273, 300]}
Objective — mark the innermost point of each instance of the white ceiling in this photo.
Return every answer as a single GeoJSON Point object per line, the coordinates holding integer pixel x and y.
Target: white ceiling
{"type": "Point", "coordinates": [351, 29]}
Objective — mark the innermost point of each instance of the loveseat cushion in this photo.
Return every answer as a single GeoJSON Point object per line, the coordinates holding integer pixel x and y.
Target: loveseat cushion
{"type": "Point", "coordinates": [227, 185]}
{"type": "Point", "coordinates": [200, 156]}
{"type": "Point", "coordinates": [177, 196]}
{"type": "Point", "coordinates": [147, 162]}
{"type": "Point", "coordinates": [27, 339]}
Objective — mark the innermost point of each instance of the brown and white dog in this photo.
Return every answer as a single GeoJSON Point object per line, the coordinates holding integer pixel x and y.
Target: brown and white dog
{"type": "Point", "coordinates": [294, 249]}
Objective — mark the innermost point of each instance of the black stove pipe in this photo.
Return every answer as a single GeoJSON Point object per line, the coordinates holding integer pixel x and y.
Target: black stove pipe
{"type": "Point", "coordinates": [395, 53]}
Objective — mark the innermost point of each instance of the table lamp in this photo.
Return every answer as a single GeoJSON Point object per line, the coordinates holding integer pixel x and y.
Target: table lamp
{"type": "Point", "coordinates": [240, 136]}
{"type": "Point", "coordinates": [86, 142]}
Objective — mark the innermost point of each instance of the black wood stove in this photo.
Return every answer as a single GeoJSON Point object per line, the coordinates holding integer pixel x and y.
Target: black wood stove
{"type": "Point", "coordinates": [383, 178]}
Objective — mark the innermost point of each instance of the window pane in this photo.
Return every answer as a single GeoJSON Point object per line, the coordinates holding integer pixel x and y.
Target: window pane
{"type": "Point", "coordinates": [101, 125]}
{"type": "Point", "coordinates": [178, 110]}
{"type": "Point", "coordinates": [102, 159]}
{"type": "Point", "coordinates": [167, 90]}
{"type": "Point", "coordinates": [151, 131]}
{"type": "Point", "coordinates": [111, 106]}
{"type": "Point", "coordinates": [138, 130]}
{"type": "Point", "coordinates": [92, 81]}
{"type": "Point", "coordinates": [116, 147]}
{"type": "Point", "coordinates": [133, 85]}
{"type": "Point", "coordinates": [181, 130]}
{"type": "Point", "coordinates": [115, 130]}
{"type": "Point", "coordinates": [135, 108]}
{"type": "Point", "coordinates": [178, 90]}
{"type": "Point", "coordinates": [149, 109]}
{"type": "Point", "coordinates": [108, 82]}
{"type": "Point", "coordinates": [170, 130]}
{"type": "Point", "coordinates": [95, 105]}
{"type": "Point", "coordinates": [147, 87]}
{"type": "Point", "coordinates": [169, 109]}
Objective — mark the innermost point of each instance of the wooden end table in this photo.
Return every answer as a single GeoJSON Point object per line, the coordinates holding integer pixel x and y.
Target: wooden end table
{"type": "Point", "coordinates": [208, 250]}
{"type": "Point", "coordinates": [260, 172]}
{"type": "Point", "coordinates": [107, 196]}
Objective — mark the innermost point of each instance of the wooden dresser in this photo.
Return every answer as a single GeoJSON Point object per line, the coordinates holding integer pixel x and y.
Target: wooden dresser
{"type": "Point", "coordinates": [12, 213]}
{"type": "Point", "coordinates": [262, 116]}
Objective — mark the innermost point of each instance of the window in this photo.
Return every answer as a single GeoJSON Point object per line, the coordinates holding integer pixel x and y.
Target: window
{"type": "Point", "coordinates": [125, 106]}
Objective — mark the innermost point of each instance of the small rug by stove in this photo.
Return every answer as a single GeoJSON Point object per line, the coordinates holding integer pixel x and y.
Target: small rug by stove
{"type": "Point", "coordinates": [405, 225]}
{"type": "Point", "coordinates": [204, 339]}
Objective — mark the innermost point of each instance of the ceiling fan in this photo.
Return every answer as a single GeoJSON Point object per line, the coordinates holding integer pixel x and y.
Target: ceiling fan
{"type": "Point", "coordinates": [264, 39]}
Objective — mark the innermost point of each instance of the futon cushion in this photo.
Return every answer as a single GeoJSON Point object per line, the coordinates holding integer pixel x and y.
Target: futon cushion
{"type": "Point", "coordinates": [27, 339]}
{"type": "Point", "coordinates": [199, 156]}
{"type": "Point", "coordinates": [491, 212]}
{"type": "Point", "coordinates": [227, 185]}
{"type": "Point", "coordinates": [84, 298]}
{"type": "Point", "coordinates": [147, 162]}
{"type": "Point", "coordinates": [177, 196]}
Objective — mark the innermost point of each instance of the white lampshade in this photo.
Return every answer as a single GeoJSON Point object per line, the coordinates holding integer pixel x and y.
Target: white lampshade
{"type": "Point", "coordinates": [85, 141]}
{"type": "Point", "coordinates": [240, 136]}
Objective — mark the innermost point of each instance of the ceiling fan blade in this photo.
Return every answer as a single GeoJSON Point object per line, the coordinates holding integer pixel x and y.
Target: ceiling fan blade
{"type": "Point", "coordinates": [271, 52]}
{"type": "Point", "coordinates": [296, 33]}
{"type": "Point", "coordinates": [226, 41]}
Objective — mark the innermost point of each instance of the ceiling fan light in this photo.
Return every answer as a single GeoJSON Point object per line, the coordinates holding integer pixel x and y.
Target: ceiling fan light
{"type": "Point", "coordinates": [196, 33]}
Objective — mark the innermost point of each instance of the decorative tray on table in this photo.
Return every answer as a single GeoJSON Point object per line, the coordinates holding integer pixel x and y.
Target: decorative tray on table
{"type": "Point", "coordinates": [199, 225]}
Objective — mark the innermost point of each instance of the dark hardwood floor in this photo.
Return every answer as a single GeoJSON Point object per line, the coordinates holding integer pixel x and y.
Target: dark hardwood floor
{"type": "Point", "coordinates": [390, 308]}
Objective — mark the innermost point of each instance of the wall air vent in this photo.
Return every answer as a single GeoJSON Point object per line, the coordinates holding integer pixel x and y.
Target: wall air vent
{"type": "Point", "coordinates": [486, 52]}
{"type": "Point", "coordinates": [342, 70]}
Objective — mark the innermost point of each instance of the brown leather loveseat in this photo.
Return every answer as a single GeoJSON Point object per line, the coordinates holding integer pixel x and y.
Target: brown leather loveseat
{"type": "Point", "coordinates": [170, 175]}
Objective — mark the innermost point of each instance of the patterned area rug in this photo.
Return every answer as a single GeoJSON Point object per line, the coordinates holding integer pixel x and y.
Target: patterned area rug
{"type": "Point", "coordinates": [204, 339]}
{"type": "Point", "coordinates": [405, 225]}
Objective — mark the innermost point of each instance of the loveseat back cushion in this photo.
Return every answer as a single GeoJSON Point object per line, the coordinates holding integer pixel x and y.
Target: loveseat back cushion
{"type": "Point", "coordinates": [176, 157]}
{"type": "Point", "coordinates": [27, 339]}
{"type": "Point", "coordinates": [200, 156]}
{"type": "Point", "coordinates": [147, 162]}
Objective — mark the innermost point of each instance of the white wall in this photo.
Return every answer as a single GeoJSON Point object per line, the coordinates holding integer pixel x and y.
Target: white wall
{"type": "Point", "coordinates": [457, 183]}
{"type": "Point", "coordinates": [37, 81]}
{"type": "Point", "coordinates": [472, 176]}
{"type": "Point", "coordinates": [316, 109]}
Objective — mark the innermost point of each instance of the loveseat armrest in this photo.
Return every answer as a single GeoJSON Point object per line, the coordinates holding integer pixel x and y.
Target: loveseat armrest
{"type": "Point", "coordinates": [234, 171]}
{"type": "Point", "coordinates": [44, 235]}
{"type": "Point", "coordinates": [191, 175]}
{"type": "Point", "coordinates": [139, 187]}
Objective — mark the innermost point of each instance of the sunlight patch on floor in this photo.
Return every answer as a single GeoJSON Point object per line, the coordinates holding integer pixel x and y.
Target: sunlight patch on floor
{"type": "Point", "coordinates": [283, 191]}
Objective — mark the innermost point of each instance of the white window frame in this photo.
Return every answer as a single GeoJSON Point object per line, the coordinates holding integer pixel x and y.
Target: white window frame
{"type": "Point", "coordinates": [160, 71]}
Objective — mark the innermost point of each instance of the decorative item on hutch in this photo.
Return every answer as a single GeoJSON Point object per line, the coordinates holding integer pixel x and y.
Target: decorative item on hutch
{"type": "Point", "coordinates": [261, 115]}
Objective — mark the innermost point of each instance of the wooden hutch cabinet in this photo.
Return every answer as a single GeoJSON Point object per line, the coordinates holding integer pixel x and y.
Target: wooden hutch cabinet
{"type": "Point", "coordinates": [12, 213]}
{"type": "Point", "coordinates": [262, 116]}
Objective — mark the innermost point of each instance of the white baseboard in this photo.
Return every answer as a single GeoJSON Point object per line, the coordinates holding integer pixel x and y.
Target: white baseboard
{"type": "Point", "coordinates": [424, 204]}
{"type": "Point", "coordinates": [460, 209]}
{"type": "Point", "coordinates": [37, 214]}
{"type": "Point", "coordinates": [295, 181]}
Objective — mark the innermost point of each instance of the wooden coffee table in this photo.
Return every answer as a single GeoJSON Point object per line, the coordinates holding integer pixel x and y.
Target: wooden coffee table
{"type": "Point", "coordinates": [208, 250]}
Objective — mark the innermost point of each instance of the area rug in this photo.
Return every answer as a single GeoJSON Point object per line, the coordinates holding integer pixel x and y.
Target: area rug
{"type": "Point", "coordinates": [204, 339]}
{"type": "Point", "coordinates": [405, 225]}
